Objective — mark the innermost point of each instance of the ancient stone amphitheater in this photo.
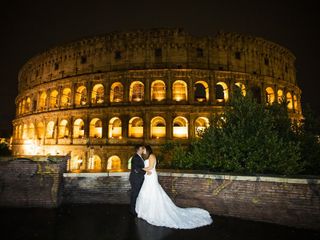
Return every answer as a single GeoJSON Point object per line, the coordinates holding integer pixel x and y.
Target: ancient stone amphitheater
{"type": "Point", "coordinates": [97, 97]}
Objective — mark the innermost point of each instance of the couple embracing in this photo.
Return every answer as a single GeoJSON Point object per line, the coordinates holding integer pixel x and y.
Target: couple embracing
{"type": "Point", "coordinates": [150, 202]}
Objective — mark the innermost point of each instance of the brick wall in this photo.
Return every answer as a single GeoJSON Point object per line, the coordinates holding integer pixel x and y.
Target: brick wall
{"type": "Point", "coordinates": [31, 183]}
{"type": "Point", "coordinates": [287, 201]}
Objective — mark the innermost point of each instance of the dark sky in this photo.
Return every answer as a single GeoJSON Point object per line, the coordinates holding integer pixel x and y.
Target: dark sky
{"type": "Point", "coordinates": [30, 27]}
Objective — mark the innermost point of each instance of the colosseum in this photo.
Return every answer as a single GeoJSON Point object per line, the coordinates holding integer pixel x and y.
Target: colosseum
{"type": "Point", "coordinates": [97, 97]}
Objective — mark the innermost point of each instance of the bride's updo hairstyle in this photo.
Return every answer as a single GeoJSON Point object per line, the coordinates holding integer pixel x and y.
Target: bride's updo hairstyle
{"type": "Point", "coordinates": [148, 151]}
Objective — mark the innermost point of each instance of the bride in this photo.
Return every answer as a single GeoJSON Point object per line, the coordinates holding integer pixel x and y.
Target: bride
{"type": "Point", "coordinates": [156, 207]}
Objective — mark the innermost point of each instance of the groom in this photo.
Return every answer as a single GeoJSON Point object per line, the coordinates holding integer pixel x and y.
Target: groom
{"type": "Point", "coordinates": [136, 177]}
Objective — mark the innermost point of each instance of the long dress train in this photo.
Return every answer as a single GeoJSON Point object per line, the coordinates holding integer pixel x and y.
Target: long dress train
{"type": "Point", "coordinates": [156, 207]}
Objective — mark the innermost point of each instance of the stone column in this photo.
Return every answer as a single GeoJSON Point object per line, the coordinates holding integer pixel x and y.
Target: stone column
{"type": "Point", "coordinates": [147, 90]}
{"type": "Point", "coordinates": [169, 125]}
{"type": "Point", "coordinates": [212, 87]}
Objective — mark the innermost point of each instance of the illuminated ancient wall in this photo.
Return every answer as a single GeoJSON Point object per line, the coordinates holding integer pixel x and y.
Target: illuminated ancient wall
{"type": "Point", "coordinates": [99, 96]}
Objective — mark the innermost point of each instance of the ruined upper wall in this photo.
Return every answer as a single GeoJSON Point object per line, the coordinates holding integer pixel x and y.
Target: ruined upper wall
{"type": "Point", "coordinates": [160, 48]}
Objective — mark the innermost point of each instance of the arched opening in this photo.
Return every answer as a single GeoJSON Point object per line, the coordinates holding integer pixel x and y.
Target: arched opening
{"type": "Point", "coordinates": [270, 96]}
{"type": "Point", "coordinates": [31, 131]}
{"type": "Point", "coordinates": [20, 134]}
{"type": "Point", "coordinates": [256, 93]}
{"type": "Point", "coordinates": [97, 96]}
{"type": "Point", "coordinates": [179, 90]}
{"type": "Point", "coordinates": [63, 129]}
{"type": "Point", "coordinates": [28, 105]}
{"type": "Point", "coordinates": [115, 128]}
{"type": "Point", "coordinates": [76, 163]}
{"type": "Point", "coordinates": [289, 100]}
{"type": "Point", "coordinates": [222, 92]}
{"type": "Point", "coordinates": [81, 96]}
{"type": "Point", "coordinates": [136, 93]}
{"type": "Point", "coordinates": [66, 97]}
{"type": "Point", "coordinates": [25, 131]}
{"type": "Point", "coordinates": [241, 87]}
{"type": "Point", "coordinates": [96, 128]}
{"type": "Point", "coordinates": [180, 127]}
{"type": "Point", "coordinates": [280, 96]}
{"type": "Point", "coordinates": [295, 102]}
{"type": "Point", "coordinates": [136, 127]}
{"type": "Point", "coordinates": [201, 92]}
{"type": "Point", "coordinates": [116, 92]}
{"type": "Point", "coordinates": [50, 130]}
{"type": "Point", "coordinates": [53, 99]}
{"type": "Point", "coordinates": [94, 163]}
{"type": "Point", "coordinates": [158, 90]}
{"type": "Point", "coordinates": [40, 130]}
{"type": "Point", "coordinates": [42, 101]}
{"type": "Point", "coordinates": [23, 108]}
{"type": "Point", "coordinates": [158, 127]}
{"type": "Point", "coordinates": [78, 128]}
{"type": "Point", "coordinates": [201, 123]}
{"type": "Point", "coordinates": [114, 163]}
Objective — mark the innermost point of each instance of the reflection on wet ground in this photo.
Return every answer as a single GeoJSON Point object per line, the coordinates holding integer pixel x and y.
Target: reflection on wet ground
{"type": "Point", "coordinates": [95, 222]}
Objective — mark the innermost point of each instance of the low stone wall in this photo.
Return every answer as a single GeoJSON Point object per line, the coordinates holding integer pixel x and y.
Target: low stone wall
{"type": "Point", "coordinates": [31, 182]}
{"type": "Point", "coordinates": [286, 201]}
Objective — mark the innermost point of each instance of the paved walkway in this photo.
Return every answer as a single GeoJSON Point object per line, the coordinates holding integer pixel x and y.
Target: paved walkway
{"type": "Point", "coordinates": [103, 222]}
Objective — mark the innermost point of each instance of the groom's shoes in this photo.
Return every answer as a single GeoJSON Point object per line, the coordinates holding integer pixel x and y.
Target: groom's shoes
{"type": "Point", "coordinates": [133, 214]}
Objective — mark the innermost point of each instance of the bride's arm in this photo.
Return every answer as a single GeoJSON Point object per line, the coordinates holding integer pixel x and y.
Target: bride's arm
{"type": "Point", "coordinates": [152, 162]}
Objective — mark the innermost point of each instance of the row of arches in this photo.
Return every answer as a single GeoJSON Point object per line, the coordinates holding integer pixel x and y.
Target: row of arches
{"type": "Point", "coordinates": [136, 128]}
{"type": "Point", "coordinates": [94, 163]}
{"type": "Point", "coordinates": [54, 99]}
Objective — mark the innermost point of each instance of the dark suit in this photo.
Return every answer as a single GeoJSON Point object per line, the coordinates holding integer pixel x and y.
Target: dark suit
{"type": "Point", "coordinates": [136, 179]}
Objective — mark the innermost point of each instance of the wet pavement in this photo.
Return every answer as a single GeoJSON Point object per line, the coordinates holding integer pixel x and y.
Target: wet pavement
{"type": "Point", "coordinates": [97, 222]}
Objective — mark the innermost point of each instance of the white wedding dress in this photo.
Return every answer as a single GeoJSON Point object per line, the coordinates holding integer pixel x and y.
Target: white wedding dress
{"type": "Point", "coordinates": [156, 207]}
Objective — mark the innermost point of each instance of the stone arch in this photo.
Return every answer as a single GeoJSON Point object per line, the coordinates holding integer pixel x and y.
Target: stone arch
{"type": "Point", "coordinates": [201, 91]}
{"type": "Point", "coordinates": [270, 96]}
{"type": "Point", "coordinates": [97, 95]}
{"type": "Point", "coordinates": [40, 130]}
{"type": "Point", "coordinates": [66, 97]}
{"type": "Point", "coordinates": [114, 163]}
{"type": "Point", "coordinates": [42, 101]}
{"type": "Point", "coordinates": [78, 128]}
{"type": "Point", "coordinates": [180, 127]}
{"type": "Point", "coordinates": [94, 163]}
{"type": "Point", "coordinates": [115, 128]}
{"type": "Point", "coordinates": [158, 127]}
{"type": "Point", "coordinates": [289, 100]}
{"type": "Point", "coordinates": [200, 124]}
{"type": "Point", "coordinates": [63, 129]}
{"type": "Point", "coordinates": [222, 92]}
{"type": "Point", "coordinates": [81, 96]}
{"type": "Point", "coordinates": [50, 130]}
{"type": "Point", "coordinates": [116, 92]}
{"type": "Point", "coordinates": [179, 90]}
{"type": "Point", "coordinates": [158, 90]}
{"type": "Point", "coordinates": [280, 95]}
{"type": "Point", "coordinates": [31, 131]}
{"type": "Point", "coordinates": [242, 88]}
{"type": "Point", "coordinates": [136, 127]}
{"type": "Point", "coordinates": [136, 93]}
{"type": "Point", "coordinates": [95, 128]}
{"type": "Point", "coordinates": [53, 99]}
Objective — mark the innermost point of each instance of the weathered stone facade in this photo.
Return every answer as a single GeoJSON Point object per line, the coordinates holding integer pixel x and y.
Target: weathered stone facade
{"type": "Point", "coordinates": [99, 96]}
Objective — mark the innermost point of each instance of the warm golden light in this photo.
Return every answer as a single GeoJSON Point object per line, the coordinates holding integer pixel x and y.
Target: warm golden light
{"type": "Point", "coordinates": [53, 99]}
{"type": "Point", "coordinates": [179, 90]}
{"type": "Point", "coordinates": [270, 96]}
{"type": "Point", "coordinates": [50, 130]}
{"type": "Point", "coordinates": [66, 97]}
{"type": "Point", "coordinates": [78, 128]}
{"type": "Point", "coordinates": [63, 129]}
{"type": "Point", "coordinates": [97, 96]}
{"type": "Point", "coordinates": [180, 127]}
{"type": "Point", "coordinates": [94, 163]}
{"type": "Point", "coordinates": [96, 128]}
{"type": "Point", "coordinates": [136, 93]}
{"type": "Point", "coordinates": [81, 96]}
{"type": "Point", "coordinates": [289, 100]}
{"type": "Point", "coordinates": [136, 127]}
{"type": "Point", "coordinates": [116, 92]}
{"type": "Point", "coordinates": [115, 128]}
{"type": "Point", "coordinates": [201, 91]}
{"type": "Point", "coordinates": [201, 124]}
{"type": "Point", "coordinates": [114, 163]}
{"type": "Point", "coordinates": [42, 101]}
{"type": "Point", "coordinates": [280, 95]}
{"type": "Point", "coordinates": [158, 127]}
{"type": "Point", "coordinates": [242, 88]}
{"type": "Point", "coordinates": [158, 90]}
{"type": "Point", "coordinates": [222, 92]}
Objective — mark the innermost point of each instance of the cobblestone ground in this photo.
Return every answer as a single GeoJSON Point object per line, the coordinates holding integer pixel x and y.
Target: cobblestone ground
{"type": "Point", "coordinates": [95, 222]}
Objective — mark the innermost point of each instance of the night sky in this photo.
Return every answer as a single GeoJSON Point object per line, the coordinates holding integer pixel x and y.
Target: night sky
{"type": "Point", "coordinates": [31, 27]}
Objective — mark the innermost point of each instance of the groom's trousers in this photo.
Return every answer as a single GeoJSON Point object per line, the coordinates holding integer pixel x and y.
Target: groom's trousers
{"type": "Point", "coordinates": [136, 183]}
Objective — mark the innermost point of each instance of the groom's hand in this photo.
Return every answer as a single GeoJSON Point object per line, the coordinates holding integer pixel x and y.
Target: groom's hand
{"type": "Point", "coordinates": [148, 172]}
